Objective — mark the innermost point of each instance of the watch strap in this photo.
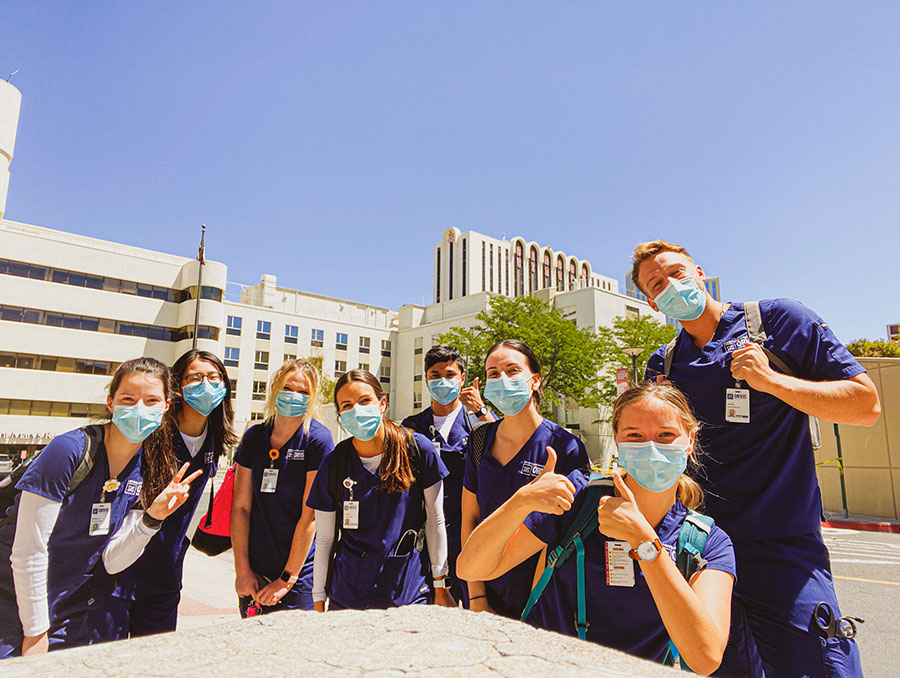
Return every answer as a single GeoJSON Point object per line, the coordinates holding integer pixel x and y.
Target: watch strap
{"type": "Point", "coordinates": [656, 543]}
{"type": "Point", "coordinates": [288, 578]}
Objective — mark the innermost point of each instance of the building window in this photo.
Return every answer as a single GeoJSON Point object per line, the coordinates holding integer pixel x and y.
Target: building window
{"type": "Point", "coordinates": [259, 390]}
{"type": "Point", "coordinates": [340, 342]}
{"type": "Point", "coordinates": [261, 361]}
{"type": "Point", "coordinates": [417, 376]}
{"type": "Point", "coordinates": [417, 346]}
{"type": "Point", "coordinates": [340, 366]}
{"type": "Point", "coordinates": [45, 408]}
{"type": "Point", "coordinates": [233, 389]}
{"type": "Point", "coordinates": [291, 332]}
{"type": "Point", "coordinates": [532, 270]}
{"type": "Point", "coordinates": [450, 272]}
{"type": "Point", "coordinates": [519, 270]}
{"type": "Point", "coordinates": [417, 400]}
{"type": "Point", "coordinates": [560, 274]}
{"type": "Point", "coordinates": [632, 312]}
{"type": "Point", "coordinates": [384, 374]}
{"type": "Point", "coordinates": [491, 270]}
{"type": "Point", "coordinates": [232, 355]}
{"type": "Point", "coordinates": [572, 274]}
{"type": "Point", "coordinates": [317, 338]}
{"type": "Point", "coordinates": [234, 325]}
{"type": "Point", "coordinates": [47, 363]}
{"type": "Point", "coordinates": [364, 344]}
{"type": "Point", "coordinates": [364, 366]}
{"type": "Point", "coordinates": [483, 265]}
{"type": "Point", "coordinates": [437, 281]}
{"type": "Point", "coordinates": [386, 348]}
{"type": "Point", "coordinates": [547, 278]}
{"type": "Point", "coordinates": [290, 356]}
{"type": "Point", "coordinates": [256, 416]}
{"type": "Point", "coordinates": [465, 271]}
{"type": "Point", "coordinates": [506, 268]}
{"type": "Point", "coordinates": [585, 273]}
{"type": "Point", "coordinates": [263, 329]}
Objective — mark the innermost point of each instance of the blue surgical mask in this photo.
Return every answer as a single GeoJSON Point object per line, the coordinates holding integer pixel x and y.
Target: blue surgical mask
{"type": "Point", "coordinates": [205, 396]}
{"type": "Point", "coordinates": [654, 466]}
{"type": "Point", "coordinates": [509, 394]}
{"type": "Point", "coordinates": [291, 403]}
{"type": "Point", "coordinates": [136, 422]}
{"type": "Point", "coordinates": [682, 299]}
{"type": "Point", "coordinates": [362, 421]}
{"type": "Point", "coordinates": [445, 391]}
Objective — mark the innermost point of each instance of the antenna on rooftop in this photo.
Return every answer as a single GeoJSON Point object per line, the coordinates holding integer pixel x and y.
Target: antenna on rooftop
{"type": "Point", "coordinates": [9, 77]}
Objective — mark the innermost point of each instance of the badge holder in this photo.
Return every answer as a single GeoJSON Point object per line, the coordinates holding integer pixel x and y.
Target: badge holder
{"type": "Point", "coordinates": [351, 507]}
{"type": "Point", "coordinates": [270, 475]}
{"type": "Point", "coordinates": [737, 404]}
{"type": "Point", "coordinates": [102, 510]}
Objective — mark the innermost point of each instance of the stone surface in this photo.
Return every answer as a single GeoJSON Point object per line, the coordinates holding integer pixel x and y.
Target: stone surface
{"type": "Point", "coordinates": [413, 641]}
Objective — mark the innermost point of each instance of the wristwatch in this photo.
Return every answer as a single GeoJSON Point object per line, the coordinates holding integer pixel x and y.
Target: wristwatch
{"type": "Point", "coordinates": [150, 521]}
{"type": "Point", "coordinates": [483, 411]}
{"type": "Point", "coordinates": [443, 583]}
{"type": "Point", "coordinates": [647, 550]}
{"type": "Point", "coordinates": [288, 578]}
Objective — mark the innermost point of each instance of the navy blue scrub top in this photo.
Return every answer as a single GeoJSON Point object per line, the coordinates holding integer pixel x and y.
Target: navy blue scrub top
{"type": "Point", "coordinates": [159, 569]}
{"type": "Point", "coordinates": [625, 618]}
{"type": "Point", "coordinates": [759, 478]}
{"type": "Point", "coordinates": [274, 516]}
{"type": "Point", "coordinates": [383, 519]}
{"type": "Point", "coordinates": [495, 483]}
{"type": "Point", "coordinates": [453, 454]}
{"type": "Point", "coordinates": [73, 554]}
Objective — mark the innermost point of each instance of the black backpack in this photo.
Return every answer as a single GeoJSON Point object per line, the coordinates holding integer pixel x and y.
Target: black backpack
{"type": "Point", "coordinates": [93, 439]}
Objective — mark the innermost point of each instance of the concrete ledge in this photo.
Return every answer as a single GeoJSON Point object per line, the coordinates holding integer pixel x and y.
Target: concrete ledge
{"type": "Point", "coordinates": [414, 641]}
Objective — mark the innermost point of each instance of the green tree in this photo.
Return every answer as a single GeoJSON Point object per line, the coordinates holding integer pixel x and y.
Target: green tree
{"type": "Point", "coordinates": [874, 348]}
{"type": "Point", "coordinates": [643, 332]}
{"type": "Point", "coordinates": [326, 385]}
{"type": "Point", "coordinates": [569, 356]}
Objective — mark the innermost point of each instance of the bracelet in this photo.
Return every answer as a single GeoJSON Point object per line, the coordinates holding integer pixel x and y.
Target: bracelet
{"type": "Point", "coordinates": [471, 598]}
{"type": "Point", "coordinates": [150, 521]}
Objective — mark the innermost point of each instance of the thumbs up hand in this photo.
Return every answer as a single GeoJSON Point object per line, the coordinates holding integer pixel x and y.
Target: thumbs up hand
{"type": "Point", "coordinates": [550, 492]}
{"type": "Point", "coordinates": [620, 517]}
{"type": "Point", "coordinates": [470, 397]}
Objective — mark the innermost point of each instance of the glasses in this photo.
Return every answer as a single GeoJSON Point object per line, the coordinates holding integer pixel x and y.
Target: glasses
{"type": "Point", "coordinates": [197, 377]}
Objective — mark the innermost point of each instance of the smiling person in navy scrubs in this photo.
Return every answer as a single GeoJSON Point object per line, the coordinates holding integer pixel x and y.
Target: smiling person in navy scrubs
{"type": "Point", "coordinates": [515, 453]}
{"type": "Point", "coordinates": [454, 412]}
{"type": "Point", "coordinates": [760, 475]}
{"type": "Point", "coordinates": [272, 530]}
{"type": "Point", "coordinates": [390, 505]}
{"type": "Point", "coordinates": [58, 538]}
{"type": "Point", "coordinates": [636, 598]}
{"type": "Point", "coordinates": [146, 595]}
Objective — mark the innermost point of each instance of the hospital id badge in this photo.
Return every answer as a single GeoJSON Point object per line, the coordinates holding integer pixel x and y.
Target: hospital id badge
{"type": "Point", "coordinates": [269, 480]}
{"type": "Point", "coordinates": [737, 405]}
{"type": "Point", "coordinates": [619, 565]}
{"type": "Point", "coordinates": [100, 513]}
{"type": "Point", "coordinates": [351, 515]}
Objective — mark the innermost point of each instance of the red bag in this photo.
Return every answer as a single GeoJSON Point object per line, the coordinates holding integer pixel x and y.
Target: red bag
{"type": "Point", "coordinates": [213, 533]}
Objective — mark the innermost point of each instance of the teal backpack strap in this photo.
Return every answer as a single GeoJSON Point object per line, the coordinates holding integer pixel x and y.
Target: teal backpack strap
{"type": "Point", "coordinates": [583, 524]}
{"type": "Point", "coordinates": [689, 558]}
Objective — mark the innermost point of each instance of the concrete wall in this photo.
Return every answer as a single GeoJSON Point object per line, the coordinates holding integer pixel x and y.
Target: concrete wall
{"type": "Point", "coordinates": [871, 455]}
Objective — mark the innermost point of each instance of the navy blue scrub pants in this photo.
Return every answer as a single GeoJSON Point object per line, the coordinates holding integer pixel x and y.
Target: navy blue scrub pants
{"type": "Point", "coordinates": [773, 633]}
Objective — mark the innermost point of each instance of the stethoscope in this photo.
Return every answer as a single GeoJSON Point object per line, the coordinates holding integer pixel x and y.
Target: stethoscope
{"type": "Point", "coordinates": [835, 627]}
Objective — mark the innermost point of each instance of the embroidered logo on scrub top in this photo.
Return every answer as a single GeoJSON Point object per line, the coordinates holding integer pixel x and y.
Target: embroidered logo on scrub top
{"type": "Point", "coordinates": [530, 469]}
{"type": "Point", "coordinates": [671, 551]}
{"type": "Point", "coordinates": [133, 487]}
{"type": "Point", "coordinates": [735, 344]}
{"type": "Point", "coordinates": [295, 455]}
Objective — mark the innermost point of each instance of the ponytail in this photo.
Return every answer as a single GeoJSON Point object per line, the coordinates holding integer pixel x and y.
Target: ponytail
{"type": "Point", "coordinates": [689, 492]}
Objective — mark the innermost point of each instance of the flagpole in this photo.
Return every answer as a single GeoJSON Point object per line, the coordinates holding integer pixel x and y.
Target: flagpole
{"type": "Point", "coordinates": [201, 257]}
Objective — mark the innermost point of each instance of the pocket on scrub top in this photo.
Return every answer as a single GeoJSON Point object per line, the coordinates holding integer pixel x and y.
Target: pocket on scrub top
{"type": "Point", "coordinates": [405, 577]}
{"type": "Point", "coordinates": [351, 582]}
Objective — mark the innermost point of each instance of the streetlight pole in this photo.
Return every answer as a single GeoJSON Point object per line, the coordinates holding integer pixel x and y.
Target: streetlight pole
{"type": "Point", "coordinates": [633, 352]}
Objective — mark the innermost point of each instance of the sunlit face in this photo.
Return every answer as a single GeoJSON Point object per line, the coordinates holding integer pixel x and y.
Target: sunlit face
{"type": "Point", "coordinates": [652, 419]}
{"type": "Point", "coordinates": [139, 387]}
{"type": "Point", "coordinates": [506, 361]}
{"type": "Point", "coordinates": [445, 370]}
{"type": "Point", "coordinates": [297, 383]}
{"type": "Point", "coordinates": [654, 273]}
{"type": "Point", "coordinates": [358, 393]}
{"type": "Point", "coordinates": [198, 370]}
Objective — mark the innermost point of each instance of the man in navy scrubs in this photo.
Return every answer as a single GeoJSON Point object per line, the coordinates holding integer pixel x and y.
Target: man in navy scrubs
{"type": "Point", "coordinates": [453, 413]}
{"type": "Point", "coordinates": [759, 470]}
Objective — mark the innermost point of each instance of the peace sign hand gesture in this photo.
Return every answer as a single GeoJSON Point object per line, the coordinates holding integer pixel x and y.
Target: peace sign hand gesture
{"type": "Point", "coordinates": [173, 495]}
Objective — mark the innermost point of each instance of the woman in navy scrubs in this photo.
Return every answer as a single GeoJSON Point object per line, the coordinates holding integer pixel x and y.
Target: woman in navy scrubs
{"type": "Point", "coordinates": [146, 595]}
{"type": "Point", "coordinates": [58, 538]}
{"type": "Point", "coordinates": [642, 600]}
{"type": "Point", "coordinates": [272, 529]}
{"type": "Point", "coordinates": [515, 453]}
{"type": "Point", "coordinates": [391, 497]}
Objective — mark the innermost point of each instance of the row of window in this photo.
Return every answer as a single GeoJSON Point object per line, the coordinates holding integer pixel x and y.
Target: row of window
{"type": "Point", "coordinates": [291, 333]}
{"type": "Point", "coordinates": [46, 408]}
{"type": "Point", "coordinates": [91, 324]}
{"type": "Point", "coordinates": [50, 363]}
{"type": "Point", "coordinates": [105, 283]}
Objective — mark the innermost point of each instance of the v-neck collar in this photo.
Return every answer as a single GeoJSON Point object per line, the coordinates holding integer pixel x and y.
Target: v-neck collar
{"type": "Point", "coordinates": [493, 434]}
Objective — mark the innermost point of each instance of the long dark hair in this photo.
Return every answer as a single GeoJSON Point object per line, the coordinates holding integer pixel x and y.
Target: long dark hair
{"type": "Point", "coordinates": [533, 363]}
{"type": "Point", "coordinates": [395, 470]}
{"type": "Point", "coordinates": [157, 458]}
{"type": "Point", "coordinates": [220, 419]}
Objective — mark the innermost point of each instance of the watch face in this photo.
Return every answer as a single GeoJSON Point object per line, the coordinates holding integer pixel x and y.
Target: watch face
{"type": "Point", "coordinates": [647, 550]}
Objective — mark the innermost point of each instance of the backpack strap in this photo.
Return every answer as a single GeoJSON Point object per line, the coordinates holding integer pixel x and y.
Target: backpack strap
{"type": "Point", "coordinates": [668, 356]}
{"type": "Point", "coordinates": [337, 471]}
{"type": "Point", "coordinates": [582, 525]}
{"type": "Point", "coordinates": [756, 331]}
{"type": "Point", "coordinates": [478, 442]}
{"type": "Point", "coordinates": [93, 438]}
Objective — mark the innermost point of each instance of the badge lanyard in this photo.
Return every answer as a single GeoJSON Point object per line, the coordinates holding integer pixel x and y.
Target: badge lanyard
{"type": "Point", "coordinates": [270, 475]}
{"type": "Point", "coordinates": [102, 510]}
{"type": "Point", "coordinates": [351, 507]}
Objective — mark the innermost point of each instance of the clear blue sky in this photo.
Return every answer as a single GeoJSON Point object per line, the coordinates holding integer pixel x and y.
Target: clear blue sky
{"type": "Point", "coordinates": [331, 143]}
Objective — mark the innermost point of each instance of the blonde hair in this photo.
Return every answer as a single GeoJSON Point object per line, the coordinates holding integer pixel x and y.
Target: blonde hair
{"type": "Point", "coordinates": [282, 374]}
{"type": "Point", "coordinates": [688, 491]}
{"type": "Point", "coordinates": [650, 249]}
